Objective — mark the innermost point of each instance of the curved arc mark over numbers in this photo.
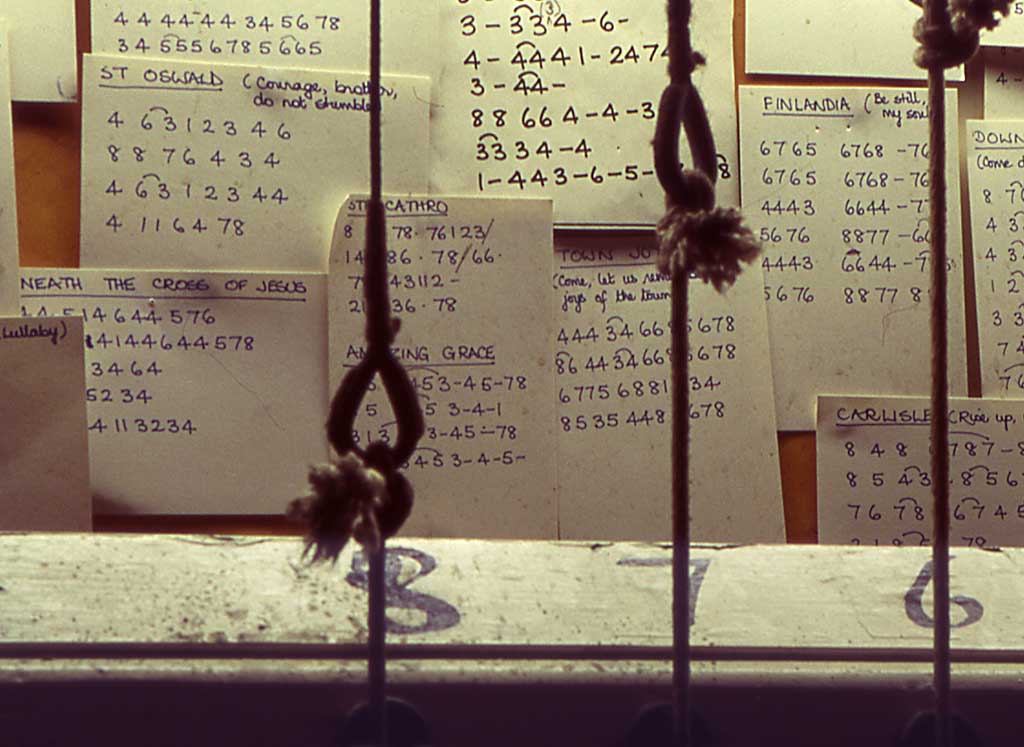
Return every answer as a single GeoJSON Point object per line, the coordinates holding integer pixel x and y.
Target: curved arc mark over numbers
{"type": "Point", "coordinates": [440, 615]}
{"type": "Point", "coordinates": [912, 602]}
{"type": "Point", "coordinates": [698, 568]}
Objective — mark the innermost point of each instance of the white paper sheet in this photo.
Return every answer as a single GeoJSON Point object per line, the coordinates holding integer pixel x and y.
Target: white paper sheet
{"type": "Point", "coordinates": [44, 454]}
{"type": "Point", "coordinates": [558, 100]}
{"type": "Point", "coordinates": [1010, 31]}
{"type": "Point", "coordinates": [206, 391]}
{"type": "Point", "coordinates": [215, 166]}
{"type": "Point", "coordinates": [318, 34]}
{"type": "Point", "coordinates": [995, 161]}
{"type": "Point", "coordinates": [8, 202]}
{"type": "Point", "coordinates": [1004, 82]}
{"type": "Point", "coordinates": [43, 49]}
{"type": "Point", "coordinates": [470, 282]}
{"type": "Point", "coordinates": [835, 186]}
{"type": "Point", "coordinates": [614, 405]}
{"type": "Point", "coordinates": [874, 471]}
{"type": "Point", "coordinates": [852, 38]}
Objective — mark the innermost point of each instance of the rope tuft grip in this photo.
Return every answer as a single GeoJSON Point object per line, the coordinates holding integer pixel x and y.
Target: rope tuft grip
{"type": "Point", "coordinates": [360, 494]}
{"type": "Point", "coordinates": [695, 236]}
{"type": "Point", "coordinates": [982, 13]}
{"type": "Point", "coordinates": [944, 45]}
{"type": "Point", "coordinates": [955, 39]}
{"type": "Point", "coordinates": [349, 498]}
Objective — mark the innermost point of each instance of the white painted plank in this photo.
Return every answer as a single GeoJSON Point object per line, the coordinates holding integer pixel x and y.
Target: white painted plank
{"type": "Point", "coordinates": [79, 593]}
{"type": "Point", "coordinates": [229, 638]}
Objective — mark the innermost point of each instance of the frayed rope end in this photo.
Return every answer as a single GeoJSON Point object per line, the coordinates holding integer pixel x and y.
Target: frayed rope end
{"type": "Point", "coordinates": [710, 244]}
{"type": "Point", "coordinates": [344, 501]}
{"type": "Point", "coordinates": [981, 13]}
{"type": "Point", "coordinates": [953, 43]}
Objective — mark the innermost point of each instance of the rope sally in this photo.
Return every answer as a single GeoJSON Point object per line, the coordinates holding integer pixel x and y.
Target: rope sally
{"type": "Point", "coordinates": [949, 36]}
{"type": "Point", "coordinates": [361, 493]}
{"type": "Point", "coordinates": [694, 237]}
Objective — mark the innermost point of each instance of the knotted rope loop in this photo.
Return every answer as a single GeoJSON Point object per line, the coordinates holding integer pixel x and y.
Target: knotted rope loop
{"type": "Point", "coordinates": [695, 236]}
{"type": "Point", "coordinates": [381, 329]}
{"type": "Point", "coordinates": [955, 39]}
{"type": "Point", "coordinates": [360, 493]}
{"type": "Point", "coordinates": [681, 107]}
{"type": "Point", "coordinates": [401, 395]}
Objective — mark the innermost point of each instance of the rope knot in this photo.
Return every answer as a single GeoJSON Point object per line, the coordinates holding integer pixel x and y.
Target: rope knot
{"type": "Point", "coordinates": [981, 13]}
{"type": "Point", "coordinates": [945, 45]}
{"type": "Point", "coordinates": [361, 498]}
{"type": "Point", "coordinates": [955, 41]}
{"type": "Point", "coordinates": [691, 62]}
{"type": "Point", "coordinates": [708, 243]}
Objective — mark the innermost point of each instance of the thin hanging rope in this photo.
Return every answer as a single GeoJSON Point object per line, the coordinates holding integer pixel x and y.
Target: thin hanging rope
{"type": "Point", "coordinates": [378, 334]}
{"type": "Point", "coordinates": [680, 513]}
{"type": "Point", "coordinates": [694, 237]}
{"type": "Point", "coordinates": [940, 400]}
{"type": "Point", "coordinates": [378, 315]}
{"type": "Point", "coordinates": [360, 493]}
{"type": "Point", "coordinates": [681, 63]}
{"type": "Point", "coordinates": [946, 41]}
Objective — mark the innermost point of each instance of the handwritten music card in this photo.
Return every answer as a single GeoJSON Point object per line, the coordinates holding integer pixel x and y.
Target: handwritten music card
{"type": "Point", "coordinates": [43, 49]}
{"type": "Point", "coordinates": [835, 185]}
{"type": "Point", "coordinates": [1004, 82]}
{"type": "Point", "coordinates": [316, 34]}
{"type": "Point", "coordinates": [1010, 31]}
{"type": "Point", "coordinates": [8, 203]}
{"type": "Point", "coordinates": [874, 471]}
{"type": "Point", "coordinates": [559, 100]}
{"type": "Point", "coordinates": [224, 166]}
{"type": "Point", "coordinates": [206, 391]}
{"type": "Point", "coordinates": [44, 454]}
{"type": "Point", "coordinates": [613, 365]}
{"type": "Point", "coordinates": [470, 280]}
{"type": "Point", "coordinates": [852, 38]}
{"type": "Point", "coordinates": [995, 161]}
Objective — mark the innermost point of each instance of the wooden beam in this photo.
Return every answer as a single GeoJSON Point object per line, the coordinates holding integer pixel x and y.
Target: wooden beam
{"type": "Point", "coordinates": [227, 630]}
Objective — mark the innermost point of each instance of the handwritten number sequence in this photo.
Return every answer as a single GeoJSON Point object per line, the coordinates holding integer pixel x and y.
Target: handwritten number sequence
{"type": "Point", "coordinates": [976, 504]}
{"type": "Point", "coordinates": [791, 176]}
{"type": "Point", "coordinates": [548, 141]}
{"type": "Point", "coordinates": [999, 247]}
{"type": "Point", "coordinates": [155, 168]}
{"type": "Point", "coordinates": [123, 385]}
{"type": "Point", "coordinates": [198, 33]}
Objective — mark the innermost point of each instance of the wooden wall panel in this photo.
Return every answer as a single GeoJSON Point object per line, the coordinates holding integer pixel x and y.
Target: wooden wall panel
{"type": "Point", "coordinates": [47, 140]}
